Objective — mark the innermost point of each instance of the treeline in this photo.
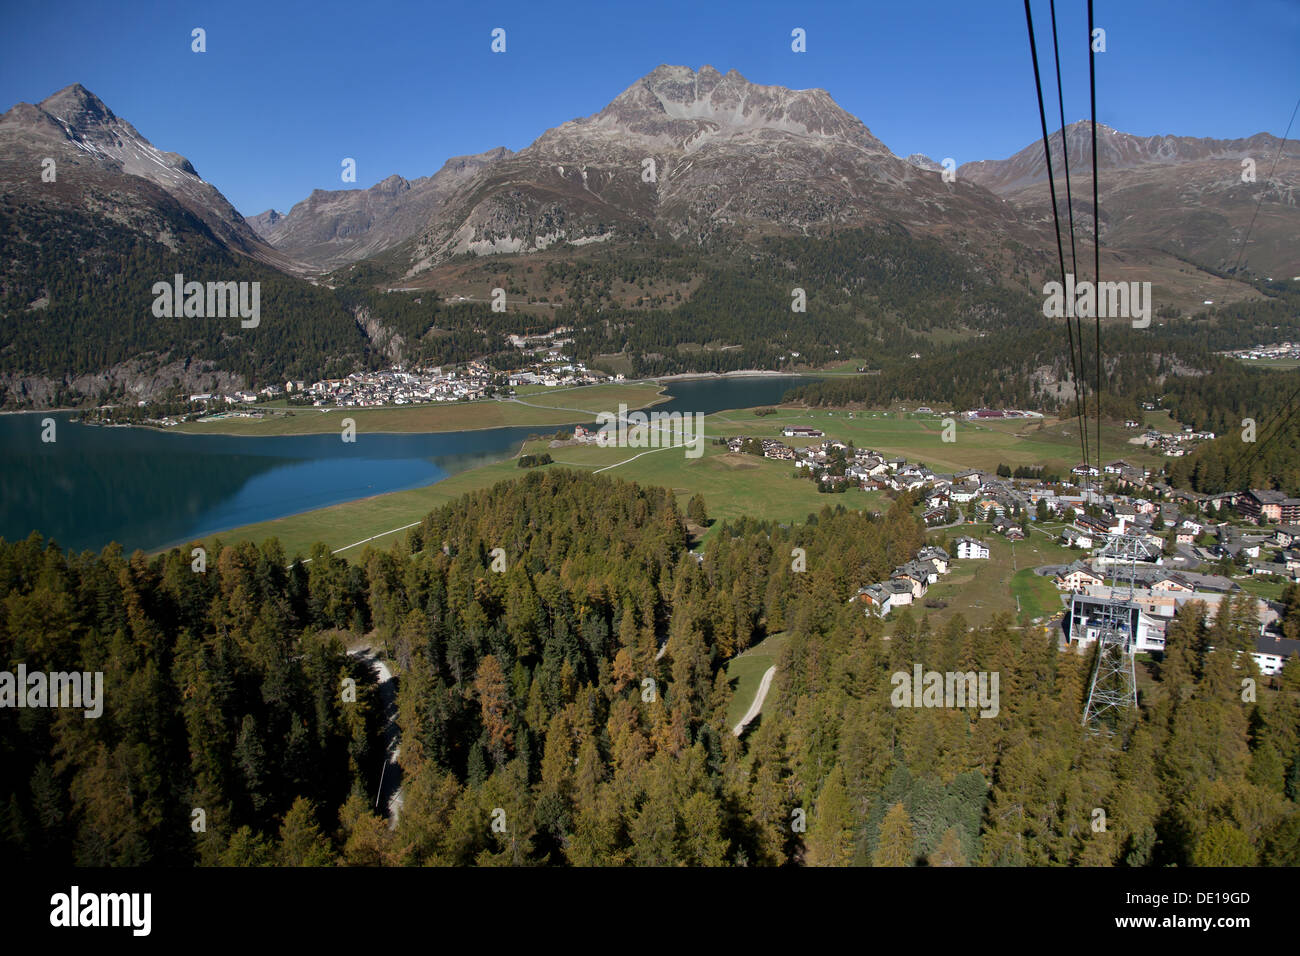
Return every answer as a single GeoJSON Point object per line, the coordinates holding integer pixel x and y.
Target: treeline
{"type": "Point", "coordinates": [1274, 317]}
{"type": "Point", "coordinates": [1255, 414]}
{"type": "Point", "coordinates": [994, 370]}
{"type": "Point", "coordinates": [1228, 463]}
{"type": "Point", "coordinates": [1005, 369]}
{"type": "Point", "coordinates": [1033, 472]}
{"type": "Point", "coordinates": [431, 331]}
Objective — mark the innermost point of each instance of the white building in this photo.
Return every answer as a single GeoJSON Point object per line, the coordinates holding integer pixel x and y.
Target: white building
{"type": "Point", "coordinates": [1141, 632]}
{"type": "Point", "coordinates": [970, 548]}
{"type": "Point", "coordinates": [1271, 653]}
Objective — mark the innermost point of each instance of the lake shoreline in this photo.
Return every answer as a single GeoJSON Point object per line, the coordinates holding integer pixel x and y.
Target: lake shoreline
{"type": "Point", "coordinates": [576, 419]}
{"type": "Point", "coordinates": [132, 485]}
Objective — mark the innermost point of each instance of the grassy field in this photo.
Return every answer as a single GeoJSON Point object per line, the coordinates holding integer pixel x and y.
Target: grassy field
{"type": "Point", "coordinates": [561, 407]}
{"type": "Point", "coordinates": [1281, 364]}
{"type": "Point", "coordinates": [732, 484]}
{"type": "Point", "coordinates": [846, 367]}
{"type": "Point", "coordinates": [978, 589]}
{"type": "Point", "coordinates": [745, 672]}
{"type": "Point", "coordinates": [1038, 442]}
{"type": "Point", "coordinates": [1038, 597]}
{"type": "Point", "coordinates": [1269, 590]}
{"type": "Point", "coordinates": [1161, 421]}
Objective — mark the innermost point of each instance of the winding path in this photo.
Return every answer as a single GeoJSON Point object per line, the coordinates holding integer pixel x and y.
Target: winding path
{"type": "Point", "coordinates": [757, 705]}
{"type": "Point", "coordinates": [389, 797]}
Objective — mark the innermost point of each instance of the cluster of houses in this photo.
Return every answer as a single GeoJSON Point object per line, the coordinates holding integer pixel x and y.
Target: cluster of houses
{"type": "Point", "coordinates": [244, 396]}
{"type": "Point", "coordinates": [392, 386]}
{"type": "Point", "coordinates": [1172, 444]}
{"type": "Point", "coordinates": [912, 580]}
{"type": "Point", "coordinates": [864, 468]}
{"type": "Point", "coordinates": [1159, 591]}
{"type": "Point", "coordinates": [995, 414]}
{"type": "Point", "coordinates": [1275, 551]}
{"type": "Point", "coordinates": [547, 343]}
{"type": "Point", "coordinates": [908, 583]}
{"type": "Point", "coordinates": [1007, 504]}
{"type": "Point", "coordinates": [1282, 350]}
{"type": "Point", "coordinates": [557, 374]}
{"type": "Point", "coordinates": [551, 365]}
{"type": "Point", "coordinates": [399, 386]}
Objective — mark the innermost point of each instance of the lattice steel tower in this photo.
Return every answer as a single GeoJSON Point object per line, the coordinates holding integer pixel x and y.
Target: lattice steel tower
{"type": "Point", "coordinates": [1115, 619]}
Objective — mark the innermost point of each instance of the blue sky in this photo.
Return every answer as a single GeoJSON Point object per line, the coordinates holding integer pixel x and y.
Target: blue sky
{"type": "Point", "coordinates": [286, 91]}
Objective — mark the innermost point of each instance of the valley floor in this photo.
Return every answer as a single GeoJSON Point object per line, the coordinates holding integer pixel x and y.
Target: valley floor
{"type": "Point", "coordinates": [733, 485]}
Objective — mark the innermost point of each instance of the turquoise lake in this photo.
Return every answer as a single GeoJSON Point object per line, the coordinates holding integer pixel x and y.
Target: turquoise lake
{"type": "Point", "coordinates": [147, 488]}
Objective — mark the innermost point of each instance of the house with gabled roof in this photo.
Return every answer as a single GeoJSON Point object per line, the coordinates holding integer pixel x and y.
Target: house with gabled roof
{"type": "Point", "coordinates": [1077, 577]}
{"type": "Point", "coordinates": [1074, 538]}
{"type": "Point", "coordinates": [936, 556]}
{"type": "Point", "coordinates": [1272, 651]}
{"type": "Point", "coordinates": [900, 592]}
{"type": "Point", "coordinates": [877, 599]}
{"type": "Point", "coordinates": [918, 578]}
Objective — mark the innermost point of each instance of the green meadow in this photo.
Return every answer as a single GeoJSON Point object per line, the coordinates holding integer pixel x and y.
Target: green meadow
{"type": "Point", "coordinates": [979, 588]}
{"type": "Point", "coordinates": [745, 672]}
{"type": "Point", "coordinates": [734, 485]}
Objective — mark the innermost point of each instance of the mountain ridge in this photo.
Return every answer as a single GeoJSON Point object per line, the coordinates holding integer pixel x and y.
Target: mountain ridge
{"type": "Point", "coordinates": [76, 129]}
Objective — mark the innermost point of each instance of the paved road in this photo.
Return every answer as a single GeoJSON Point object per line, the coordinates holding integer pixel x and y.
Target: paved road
{"type": "Point", "coordinates": [549, 408]}
{"type": "Point", "coordinates": [961, 519]}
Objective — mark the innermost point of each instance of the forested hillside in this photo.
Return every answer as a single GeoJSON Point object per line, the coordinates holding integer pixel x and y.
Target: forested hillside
{"type": "Point", "coordinates": [868, 292]}
{"type": "Point", "coordinates": [674, 308]}
{"type": "Point", "coordinates": [1027, 367]}
{"type": "Point", "coordinates": [78, 300]}
{"type": "Point", "coordinates": [222, 693]}
{"type": "Point", "coordinates": [539, 724]}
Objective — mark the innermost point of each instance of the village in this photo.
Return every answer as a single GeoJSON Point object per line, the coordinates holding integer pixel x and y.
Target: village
{"type": "Point", "coordinates": [401, 386]}
{"type": "Point", "coordinates": [1171, 444]}
{"type": "Point", "coordinates": [1189, 546]}
{"type": "Point", "coordinates": [1281, 351]}
{"type": "Point", "coordinates": [398, 386]}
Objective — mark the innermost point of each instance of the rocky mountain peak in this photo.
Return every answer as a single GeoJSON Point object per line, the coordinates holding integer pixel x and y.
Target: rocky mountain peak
{"type": "Point", "coordinates": [78, 107]}
{"type": "Point", "coordinates": [675, 102]}
{"type": "Point", "coordinates": [77, 129]}
{"type": "Point", "coordinates": [393, 184]}
{"type": "Point", "coordinates": [1116, 150]}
